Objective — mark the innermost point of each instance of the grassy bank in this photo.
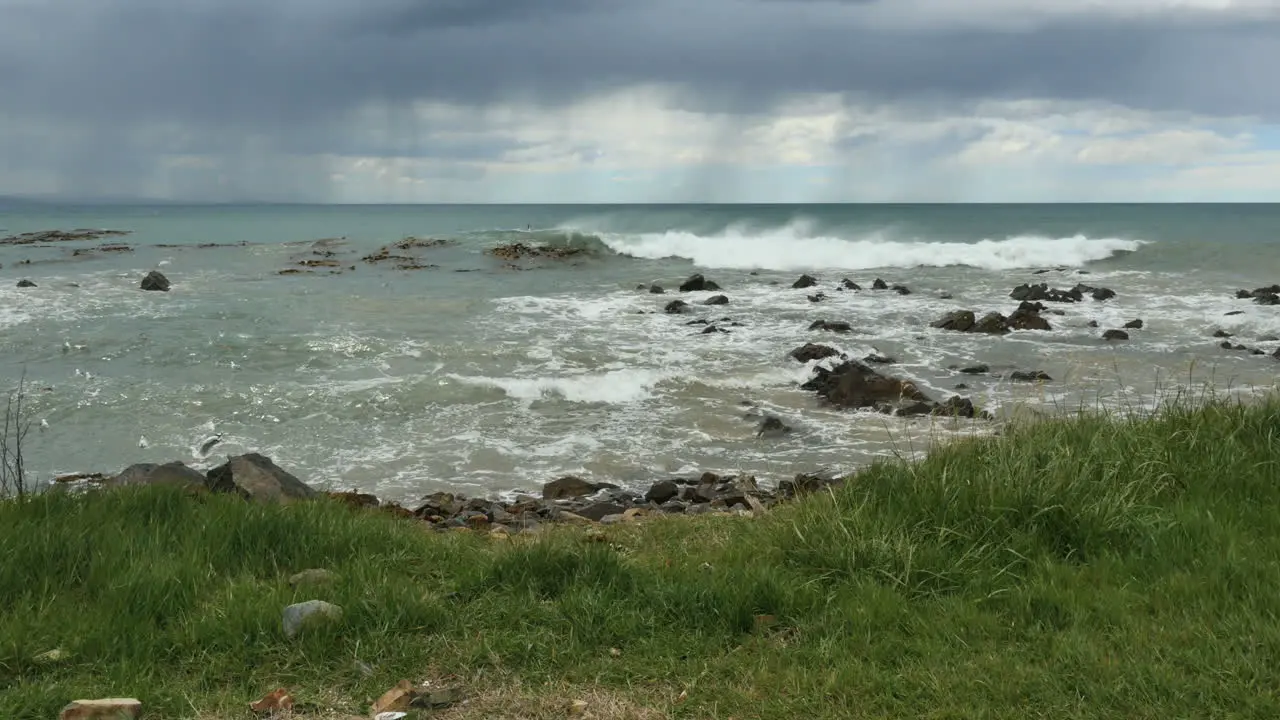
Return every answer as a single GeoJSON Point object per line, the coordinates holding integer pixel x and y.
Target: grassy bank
{"type": "Point", "coordinates": [1083, 568]}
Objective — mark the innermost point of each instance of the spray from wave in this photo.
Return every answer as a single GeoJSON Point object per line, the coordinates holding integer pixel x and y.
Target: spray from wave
{"type": "Point", "coordinates": [793, 247]}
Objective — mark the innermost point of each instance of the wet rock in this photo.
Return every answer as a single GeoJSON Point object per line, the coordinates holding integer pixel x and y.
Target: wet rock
{"type": "Point", "coordinates": [299, 616]}
{"type": "Point", "coordinates": [960, 407]}
{"type": "Point", "coordinates": [570, 486]}
{"type": "Point", "coordinates": [716, 300]}
{"type": "Point", "coordinates": [155, 281]}
{"type": "Point", "coordinates": [1227, 345]}
{"type": "Point", "coordinates": [1221, 334]}
{"type": "Point", "coordinates": [1027, 317]}
{"type": "Point", "coordinates": [51, 236]}
{"type": "Point", "coordinates": [354, 499]}
{"type": "Point", "coordinates": [879, 284]}
{"type": "Point", "coordinates": [25, 283]}
{"type": "Point", "coordinates": [676, 307]}
{"type": "Point", "coordinates": [697, 283]}
{"type": "Point", "coordinates": [959, 320]}
{"type": "Point", "coordinates": [255, 477]}
{"type": "Point", "coordinates": [847, 284]}
{"type": "Point", "coordinates": [808, 483]}
{"type": "Point", "coordinates": [1030, 376]}
{"type": "Point", "coordinates": [439, 504]}
{"type": "Point", "coordinates": [172, 473]}
{"type": "Point", "coordinates": [1133, 325]}
{"type": "Point", "coordinates": [1097, 293]}
{"type": "Point", "coordinates": [854, 385]}
{"type": "Point", "coordinates": [656, 290]}
{"type": "Point", "coordinates": [976, 370]}
{"type": "Point", "coordinates": [879, 360]}
{"type": "Point", "coordinates": [992, 323]}
{"type": "Point", "coordinates": [662, 491]}
{"type": "Point", "coordinates": [103, 709]}
{"type": "Point", "coordinates": [1269, 299]}
{"type": "Point", "coordinates": [521, 251]}
{"type": "Point", "coordinates": [902, 289]}
{"type": "Point", "coordinates": [1093, 324]}
{"type": "Point", "coordinates": [819, 297]}
{"type": "Point", "coordinates": [772, 427]}
{"type": "Point", "coordinates": [831, 326]}
{"type": "Point", "coordinates": [805, 281]}
{"type": "Point", "coordinates": [713, 329]}
{"type": "Point", "coordinates": [1042, 291]}
{"type": "Point", "coordinates": [1268, 338]}
{"type": "Point", "coordinates": [598, 511]}
{"type": "Point", "coordinates": [699, 321]}
{"type": "Point", "coordinates": [813, 351]}
{"type": "Point", "coordinates": [1112, 335]}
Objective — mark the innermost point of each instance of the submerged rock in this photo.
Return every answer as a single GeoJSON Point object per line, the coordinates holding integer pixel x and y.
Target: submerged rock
{"type": "Point", "coordinates": [155, 281]}
{"type": "Point", "coordinates": [25, 283]}
{"type": "Point", "coordinates": [676, 307]}
{"type": "Point", "coordinates": [1112, 335]}
{"type": "Point", "coordinates": [698, 283]}
{"type": "Point", "coordinates": [1134, 325]}
{"type": "Point", "coordinates": [772, 426]}
{"type": "Point", "coordinates": [831, 326]}
{"type": "Point", "coordinates": [812, 351]}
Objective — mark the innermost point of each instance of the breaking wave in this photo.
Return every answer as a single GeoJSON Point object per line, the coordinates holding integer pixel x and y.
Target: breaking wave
{"type": "Point", "coordinates": [792, 248]}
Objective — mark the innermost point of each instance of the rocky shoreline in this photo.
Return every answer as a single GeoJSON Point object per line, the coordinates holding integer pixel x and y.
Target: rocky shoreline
{"type": "Point", "coordinates": [568, 499]}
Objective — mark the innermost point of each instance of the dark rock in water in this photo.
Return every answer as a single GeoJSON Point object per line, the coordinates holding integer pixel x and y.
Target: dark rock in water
{"type": "Point", "coordinates": [662, 491]}
{"type": "Point", "coordinates": [1243, 294]}
{"type": "Point", "coordinates": [854, 385]}
{"type": "Point", "coordinates": [831, 326]}
{"type": "Point", "coordinates": [255, 477]}
{"type": "Point", "coordinates": [699, 321]}
{"type": "Point", "coordinates": [1115, 335]}
{"type": "Point", "coordinates": [1221, 334]}
{"type": "Point", "coordinates": [712, 329]}
{"type": "Point", "coordinates": [879, 284]}
{"type": "Point", "coordinates": [961, 386]}
{"type": "Point", "coordinates": [1268, 338]}
{"type": "Point", "coordinates": [571, 487]}
{"type": "Point", "coordinates": [25, 283]}
{"type": "Point", "coordinates": [772, 427]}
{"type": "Point", "coordinates": [813, 351]}
{"type": "Point", "coordinates": [944, 295]}
{"type": "Point", "coordinates": [155, 281]}
{"type": "Point", "coordinates": [1267, 299]}
{"type": "Point", "coordinates": [1256, 351]}
{"type": "Point", "coordinates": [1133, 325]}
{"type": "Point", "coordinates": [1027, 317]}
{"type": "Point", "coordinates": [976, 370]}
{"type": "Point", "coordinates": [1031, 307]}
{"type": "Point", "coordinates": [960, 321]}
{"type": "Point", "coordinates": [697, 283]}
{"type": "Point", "coordinates": [676, 307]}
{"type": "Point", "coordinates": [879, 360]}
{"type": "Point", "coordinates": [805, 281]}
{"type": "Point", "coordinates": [1276, 354]}
{"type": "Point", "coordinates": [172, 473]}
{"type": "Point", "coordinates": [1233, 312]}
{"type": "Point", "coordinates": [902, 289]}
{"type": "Point", "coordinates": [716, 300]}
{"type": "Point", "coordinates": [1042, 271]}
{"type": "Point", "coordinates": [817, 298]}
{"type": "Point", "coordinates": [847, 284]}
{"type": "Point", "coordinates": [956, 406]}
{"type": "Point", "coordinates": [1030, 376]}
{"type": "Point", "coordinates": [656, 289]}
{"type": "Point", "coordinates": [1227, 345]}
{"type": "Point", "coordinates": [1093, 323]}
{"type": "Point", "coordinates": [992, 324]}
{"type": "Point", "coordinates": [1097, 293]}
{"type": "Point", "coordinates": [1042, 291]}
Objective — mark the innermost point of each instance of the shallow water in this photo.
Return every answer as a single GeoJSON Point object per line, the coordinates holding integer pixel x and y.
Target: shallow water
{"type": "Point", "coordinates": [497, 379]}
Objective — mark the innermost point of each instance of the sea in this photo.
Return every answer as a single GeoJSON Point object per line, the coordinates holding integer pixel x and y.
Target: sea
{"type": "Point", "coordinates": [475, 374]}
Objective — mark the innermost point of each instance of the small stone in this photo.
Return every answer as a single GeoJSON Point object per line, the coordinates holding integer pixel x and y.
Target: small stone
{"type": "Point", "coordinates": [104, 709]}
{"type": "Point", "coordinates": [1134, 325]}
{"type": "Point", "coordinates": [314, 576]}
{"type": "Point", "coordinates": [299, 615]}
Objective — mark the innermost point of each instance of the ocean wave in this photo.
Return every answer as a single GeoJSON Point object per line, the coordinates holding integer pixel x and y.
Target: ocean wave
{"type": "Point", "coordinates": [792, 247]}
{"type": "Point", "coordinates": [615, 387]}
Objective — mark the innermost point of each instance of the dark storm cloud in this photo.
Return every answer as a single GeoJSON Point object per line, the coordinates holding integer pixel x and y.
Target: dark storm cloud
{"type": "Point", "coordinates": [236, 76]}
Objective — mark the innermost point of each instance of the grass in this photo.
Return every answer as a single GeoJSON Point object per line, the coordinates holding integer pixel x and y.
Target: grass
{"type": "Point", "coordinates": [1085, 567]}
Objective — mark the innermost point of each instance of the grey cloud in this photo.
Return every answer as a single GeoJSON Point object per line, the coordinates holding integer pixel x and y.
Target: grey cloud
{"type": "Point", "coordinates": [291, 74]}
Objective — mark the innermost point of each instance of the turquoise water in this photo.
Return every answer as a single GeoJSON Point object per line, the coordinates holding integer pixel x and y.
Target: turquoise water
{"type": "Point", "coordinates": [479, 376]}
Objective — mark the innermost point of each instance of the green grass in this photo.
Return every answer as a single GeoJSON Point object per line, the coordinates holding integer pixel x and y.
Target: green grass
{"type": "Point", "coordinates": [1087, 567]}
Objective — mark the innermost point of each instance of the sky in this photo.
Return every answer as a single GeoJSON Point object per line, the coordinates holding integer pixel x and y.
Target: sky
{"type": "Point", "coordinates": [403, 101]}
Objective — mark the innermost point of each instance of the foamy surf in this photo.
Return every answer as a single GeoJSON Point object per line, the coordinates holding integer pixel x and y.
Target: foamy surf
{"type": "Point", "coordinates": [792, 248]}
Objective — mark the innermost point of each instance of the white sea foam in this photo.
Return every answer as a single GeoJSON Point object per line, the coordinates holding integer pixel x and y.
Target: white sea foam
{"type": "Point", "coordinates": [794, 247]}
{"type": "Point", "coordinates": [615, 387]}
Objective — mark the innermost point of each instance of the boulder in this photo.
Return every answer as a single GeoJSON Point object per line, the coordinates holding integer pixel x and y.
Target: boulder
{"type": "Point", "coordinates": [256, 478]}
{"type": "Point", "coordinates": [598, 511]}
{"type": "Point", "coordinates": [656, 290]}
{"type": "Point", "coordinates": [173, 473]}
{"type": "Point", "coordinates": [817, 297]}
{"type": "Point", "coordinates": [1030, 376]}
{"type": "Point", "coordinates": [307, 614]}
{"type": "Point", "coordinates": [676, 307]}
{"type": "Point", "coordinates": [104, 709]}
{"type": "Point", "coordinates": [992, 323]}
{"type": "Point", "coordinates": [697, 283]}
{"type": "Point", "coordinates": [902, 289]}
{"type": "Point", "coordinates": [1042, 291]}
{"type": "Point", "coordinates": [1221, 334]}
{"type": "Point", "coordinates": [571, 486]}
{"type": "Point", "coordinates": [959, 320]}
{"type": "Point", "coordinates": [854, 385]}
{"type": "Point", "coordinates": [831, 326]}
{"type": "Point", "coordinates": [847, 284]}
{"type": "Point", "coordinates": [772, 427]}
{"type": "Point", "coordinates": [1097, 293]}
{"type": "Point", "coordinates": [813, 351]}
{"type": "Point", "coordinates": [1111, 335]}
{"type": "Point", "coordinates": [1027, 317]}
{"type": "Point", "coordinates": [806, 483]}
{"type": "Point", "coordinates": [976, 370]}
{"type": "Point", "coordinates": [25, 283]}
{"type": "Point", "coordinates": [805, 281]}
{"type": "Point", "coordinates": [716, 300]}
{"type": "Point", "coordinates": [1133, 325]}
{"type": "Point", "coordinates": [879, 360]}
{"type": "Point", "coordinates": [879, 284]}
{"type": "Point", "coordinates": [662, 491]}
{"type": "Point", "coordinates": [155, 281]}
